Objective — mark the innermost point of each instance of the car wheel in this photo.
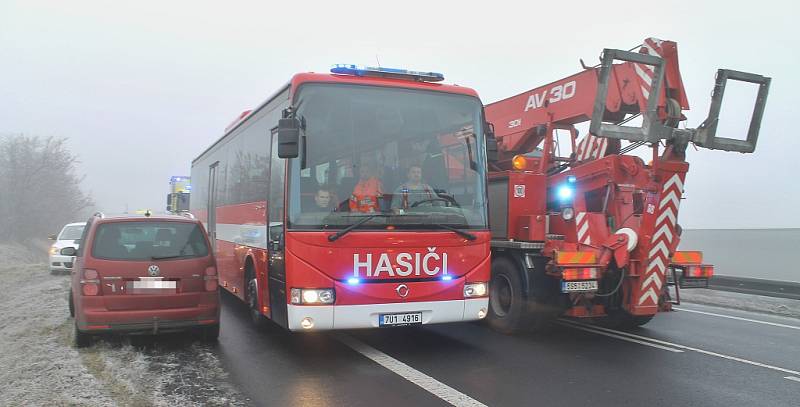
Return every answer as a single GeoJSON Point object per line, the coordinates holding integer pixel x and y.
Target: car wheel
{"type": "Point", "coordinates": [210, 334]}
{"type": "Point", "coordinates": [82, 339]}
{"type": "Point", "coordinates": [71, 305]}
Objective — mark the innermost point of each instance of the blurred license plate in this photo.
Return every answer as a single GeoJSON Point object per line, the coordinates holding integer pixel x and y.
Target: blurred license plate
{"type": "Point", "coordinates": [571, 286]}
{"type": "Point", "coordinates": [409, 318]}
{"type": "Point", "coordinates": [148, 286]}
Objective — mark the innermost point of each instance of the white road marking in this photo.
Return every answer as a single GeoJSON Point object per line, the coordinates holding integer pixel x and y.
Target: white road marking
{"type": "Point", "coordinates": [433, 386]}
{"type": "Point", "coordinates": [737, 318]}
{"type": "Point", "coordinates": [796, 379]}
{"type": "Point", "coordinates": [705, 352]}
{"type": "Point", "coordinates": [623, 338]}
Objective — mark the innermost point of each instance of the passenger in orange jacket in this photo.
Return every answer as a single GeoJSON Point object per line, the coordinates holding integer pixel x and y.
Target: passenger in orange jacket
{"type": "Point", "coordinates": [367, 192]}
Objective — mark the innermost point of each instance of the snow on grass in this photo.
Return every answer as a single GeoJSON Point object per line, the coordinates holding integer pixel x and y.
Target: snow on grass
{"type": "Point", "coordinates": [40, 366]}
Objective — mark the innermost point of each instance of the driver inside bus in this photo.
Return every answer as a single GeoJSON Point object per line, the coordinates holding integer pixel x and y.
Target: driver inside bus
{"type": "Point", "coordinates": [368, 192]}
{"type": "Point", "coordinates": [412, 191]}
{"type": "Point", "coordinates": [322, 200]}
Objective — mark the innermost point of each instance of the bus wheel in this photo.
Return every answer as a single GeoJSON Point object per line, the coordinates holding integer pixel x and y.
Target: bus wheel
{"type": "Point", "coordinates": [506, 302]}
{"type": "Point", "coordinates": [252, 301]}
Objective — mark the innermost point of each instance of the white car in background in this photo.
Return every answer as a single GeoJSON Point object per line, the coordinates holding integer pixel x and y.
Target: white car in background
{"type": "Point", "coordinates": [68, 237]}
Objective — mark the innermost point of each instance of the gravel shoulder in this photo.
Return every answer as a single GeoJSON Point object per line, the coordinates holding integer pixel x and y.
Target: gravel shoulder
{"type": "Point", "coordinates": [41, 367]}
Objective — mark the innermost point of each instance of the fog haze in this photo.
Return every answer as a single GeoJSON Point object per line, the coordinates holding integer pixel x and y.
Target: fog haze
{"type": "Point", "coordinates": [140, 89]}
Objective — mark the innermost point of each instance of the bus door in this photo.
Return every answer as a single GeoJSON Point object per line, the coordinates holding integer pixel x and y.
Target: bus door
{"type": "Point", "coordinates": [212, 206]}
{"type": "Point", "coordinates": [276, 234]}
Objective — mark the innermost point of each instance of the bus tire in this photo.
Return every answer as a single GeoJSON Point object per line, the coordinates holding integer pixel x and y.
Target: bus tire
{"type": "Point", "coordinates": [259, 321]}
{"type": "Point", "coordinates": [507, 305]}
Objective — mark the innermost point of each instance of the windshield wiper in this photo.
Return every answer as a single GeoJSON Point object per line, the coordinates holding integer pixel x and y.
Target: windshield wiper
{"type": "Point", "coordinates": [464, 234]}
{"type": "Point", "coordinates": [337, 235]}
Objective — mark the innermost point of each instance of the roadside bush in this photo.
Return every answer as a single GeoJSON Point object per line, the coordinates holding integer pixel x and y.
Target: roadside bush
{"type": "Point", "coordinates": [39, 187]}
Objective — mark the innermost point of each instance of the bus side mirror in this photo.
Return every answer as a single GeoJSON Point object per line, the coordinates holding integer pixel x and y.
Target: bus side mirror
{"type": "Point", "coordinates": [492, 154]}
{"type": "Point", "coordinates": [68, 251]}
{"type": "Point", "coordinates": [288, 137]}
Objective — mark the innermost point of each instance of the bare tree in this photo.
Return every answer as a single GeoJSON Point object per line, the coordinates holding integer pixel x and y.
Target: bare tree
{"type": "Point", "coordinates": [39, 187]}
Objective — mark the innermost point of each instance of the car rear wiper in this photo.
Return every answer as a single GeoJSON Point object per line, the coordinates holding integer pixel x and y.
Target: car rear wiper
{"type": "Point", "coordinates": [337, 235]}
{"type": "Point", "coordinates": [466, 235]}
{"type": "Point", "coordinates": [175, 256]}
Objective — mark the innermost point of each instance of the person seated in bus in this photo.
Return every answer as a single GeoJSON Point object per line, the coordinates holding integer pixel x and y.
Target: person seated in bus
{"type": "Point", "coordinates": [322, 200]}
{"type": "Point", "coordinates": [368, 192]}
{"type": "Point", "coordinates": [412, 191]}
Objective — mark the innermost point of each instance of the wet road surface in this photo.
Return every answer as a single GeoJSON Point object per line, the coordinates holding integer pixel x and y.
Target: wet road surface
{"type": "Point", "coordinates": [698, 355]}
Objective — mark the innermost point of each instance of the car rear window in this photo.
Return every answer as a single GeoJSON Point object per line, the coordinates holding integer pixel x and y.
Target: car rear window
{"type": "Point", "coordinates": [149, 240]}
{"type": "Point", "coordinates": [71, 232]}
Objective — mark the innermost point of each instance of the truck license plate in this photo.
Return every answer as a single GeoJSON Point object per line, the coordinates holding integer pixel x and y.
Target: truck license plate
{"type": "Point", "coordinates": [573, 286]}
{"type": "Point", "coordinates": [409, 318]}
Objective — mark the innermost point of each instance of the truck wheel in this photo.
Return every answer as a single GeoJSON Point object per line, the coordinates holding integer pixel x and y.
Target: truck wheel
{"type": "Point", "coordinates": [506, 299]}
{"type": "Point", "coordinates": [620, 319]}
{"type": "Point", "coordinates": [252, 301]}
{"type": "Point", "coordinates": [71, 305]}
{"type": "Point", "coordinates": [82, 339]}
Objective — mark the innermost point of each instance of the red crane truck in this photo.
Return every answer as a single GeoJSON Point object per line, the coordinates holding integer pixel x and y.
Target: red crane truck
{"type": "Point", "coordinates": [580, 227]}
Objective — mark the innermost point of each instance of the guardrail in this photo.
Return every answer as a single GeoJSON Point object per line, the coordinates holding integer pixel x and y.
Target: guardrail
{"type": "Point", "coordinates": [757, 286]}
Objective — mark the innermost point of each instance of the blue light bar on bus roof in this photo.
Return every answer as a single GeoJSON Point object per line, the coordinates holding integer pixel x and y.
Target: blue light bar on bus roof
{"type": "Point", "coordinates": [347, 69]}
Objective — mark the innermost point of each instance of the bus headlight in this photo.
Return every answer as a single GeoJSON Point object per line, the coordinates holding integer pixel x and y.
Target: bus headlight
{"type": "Point", "coordinates": [567, 213]}
{"type": "Point", "coordinates": [472, 290]}
{"type": "Point", "coordinates": [312, 296]}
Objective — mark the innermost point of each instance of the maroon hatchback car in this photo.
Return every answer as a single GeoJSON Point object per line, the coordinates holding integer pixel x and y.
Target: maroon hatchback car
{"type": "Point", "coordinates": [144, 274]}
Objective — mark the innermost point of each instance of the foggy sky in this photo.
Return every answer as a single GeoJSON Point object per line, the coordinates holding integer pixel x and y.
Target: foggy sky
{"type": "Point", "coordinates": [141, 89]}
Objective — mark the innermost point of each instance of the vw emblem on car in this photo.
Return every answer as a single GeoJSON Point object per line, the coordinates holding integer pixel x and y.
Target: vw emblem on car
{"type": "Point", "coordinates": [153, 270]}
{"type": "Point", "coordinates": [402, 290]}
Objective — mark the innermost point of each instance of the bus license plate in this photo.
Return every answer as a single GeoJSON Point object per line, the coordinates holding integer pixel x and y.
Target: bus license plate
{"type": "Point", "coordinates": [573, 286]}
{"type": "Point", "coordinates": [409, 318]}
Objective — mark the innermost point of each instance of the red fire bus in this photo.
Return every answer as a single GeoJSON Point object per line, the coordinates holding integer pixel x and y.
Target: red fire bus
{"type": "Point", "coordinates": [354, 199]}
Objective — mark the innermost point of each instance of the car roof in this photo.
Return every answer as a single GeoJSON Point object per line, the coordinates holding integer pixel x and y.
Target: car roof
{"type": "Point", "coordinates": [75, 224]}
{"type": "Point", "coordinates": [137, 217]}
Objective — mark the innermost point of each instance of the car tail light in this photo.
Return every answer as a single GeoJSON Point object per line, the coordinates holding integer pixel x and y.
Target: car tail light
{"type": "Point", "coordinates": [211, 278]}
{"type": "Point", "coordinates": [583, 273]}
{"type": "Point", "coordinates": [90, 284]}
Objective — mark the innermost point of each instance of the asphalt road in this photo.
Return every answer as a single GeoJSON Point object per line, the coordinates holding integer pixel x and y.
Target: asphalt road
{"type": "Point", "coordinates": [687, 357]}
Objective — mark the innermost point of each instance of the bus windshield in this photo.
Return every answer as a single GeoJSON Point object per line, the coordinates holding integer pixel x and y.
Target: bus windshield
{"type": "Point", "coordinates": [415, 157]}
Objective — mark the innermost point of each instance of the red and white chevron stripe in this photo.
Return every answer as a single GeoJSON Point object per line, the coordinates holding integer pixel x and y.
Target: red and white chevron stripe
{"type": "Point", "coordinates": [592, 147]}
{"type": "Point", "coordinates": [646, 72]}
{"type": "Point", "coordinates": [582, 228]}
{"type": "Point", "coordinates": [661, 243]}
